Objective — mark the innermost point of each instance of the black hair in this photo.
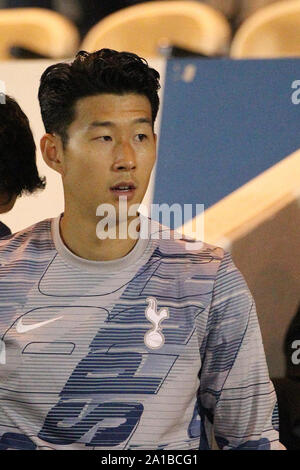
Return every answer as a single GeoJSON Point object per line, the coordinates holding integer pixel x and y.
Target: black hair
{"type": "Point", "coordinates": [18, 171]}
{"type": "Point", "coordinates": [90, 74]}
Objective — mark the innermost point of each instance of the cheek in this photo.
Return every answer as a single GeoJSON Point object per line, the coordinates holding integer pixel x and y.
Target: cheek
{"type": "Point", "coordinates": [147, 156]}
{"type": "Point", "coordinates": [87, 166]}
{"type": "Point", "coordinates": [147, 163]}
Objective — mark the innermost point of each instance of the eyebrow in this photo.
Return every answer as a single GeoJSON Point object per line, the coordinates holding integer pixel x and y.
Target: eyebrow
{"type": "Point", "coordinates": [112, 124]}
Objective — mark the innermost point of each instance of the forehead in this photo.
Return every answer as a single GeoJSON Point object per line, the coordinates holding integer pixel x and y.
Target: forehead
{"type": "Point", "coordinates": [106, 107]}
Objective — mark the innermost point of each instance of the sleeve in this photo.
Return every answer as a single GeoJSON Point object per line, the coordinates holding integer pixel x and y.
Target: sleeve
{"type": "Point", "coordinates": [237, 400]}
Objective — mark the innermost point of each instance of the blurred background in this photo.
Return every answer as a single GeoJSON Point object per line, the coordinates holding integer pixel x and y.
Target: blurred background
{"type": "Point", "coordinates": [86, 13]}
{"type": "Point", "coordinates": [230, 75]}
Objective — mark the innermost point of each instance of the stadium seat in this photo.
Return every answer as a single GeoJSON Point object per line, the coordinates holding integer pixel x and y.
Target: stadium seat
{"type": "Point", "coordinates": [39, 30]}
{"type": "Point", "coordinates": [143, 28]}
{"type": "Point", "coordinates": [272, 31]}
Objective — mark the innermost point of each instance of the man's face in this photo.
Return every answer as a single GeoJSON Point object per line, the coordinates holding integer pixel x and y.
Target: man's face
{"type": "Point", "coordinates": [111, 142]}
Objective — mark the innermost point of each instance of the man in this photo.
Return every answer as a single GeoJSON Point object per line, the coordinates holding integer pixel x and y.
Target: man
{"type": "Point", "coordinates": [18, 171]}
{"type": "Point", "coordinates": [122, 342]}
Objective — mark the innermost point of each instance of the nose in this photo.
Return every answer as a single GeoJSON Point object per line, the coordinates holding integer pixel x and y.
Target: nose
{"type": "Point", "coordinates": [124, 157]}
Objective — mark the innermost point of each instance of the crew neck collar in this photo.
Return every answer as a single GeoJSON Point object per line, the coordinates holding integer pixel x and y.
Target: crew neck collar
{"type": "Point", "coordinates": [98, 266]}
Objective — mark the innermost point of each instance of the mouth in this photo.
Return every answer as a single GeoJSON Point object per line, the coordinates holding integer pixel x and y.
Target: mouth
{"type": "Point", "coordinates": [124, 189]}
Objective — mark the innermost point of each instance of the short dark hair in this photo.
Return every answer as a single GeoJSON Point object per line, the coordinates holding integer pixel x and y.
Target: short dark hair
{"type": "Point", "coordinates": [18, 171]}
{"type": "Point", "coordinates": [90, 74]}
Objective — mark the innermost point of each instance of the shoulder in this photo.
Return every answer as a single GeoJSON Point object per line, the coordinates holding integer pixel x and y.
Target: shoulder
{"type": "Point", "coordinates": [174, 248]}
{"type": "Point", "coordinates": [197, 255]}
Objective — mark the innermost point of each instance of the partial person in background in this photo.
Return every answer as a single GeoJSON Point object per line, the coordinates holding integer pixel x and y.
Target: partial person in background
{"type": "Point", "coordinates": [288, 387]}
{"type": "Point", "coordinates": [18, 171]}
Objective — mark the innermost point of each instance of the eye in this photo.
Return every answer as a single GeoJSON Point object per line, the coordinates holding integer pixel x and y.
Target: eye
{"type": "Point", "coordinates": [105, 138]}
{"type": "Point", "coordinates": [141, 137]}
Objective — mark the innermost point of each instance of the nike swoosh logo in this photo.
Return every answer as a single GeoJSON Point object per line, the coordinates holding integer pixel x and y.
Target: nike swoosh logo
{"type": "Point", "coordinates": [20, 328]}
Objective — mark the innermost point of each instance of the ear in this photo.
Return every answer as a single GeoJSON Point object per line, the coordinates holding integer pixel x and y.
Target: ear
{"type": "Point", "coordinates": [155, 141]}
{"type": "Point", "coordinates": [52, 152]}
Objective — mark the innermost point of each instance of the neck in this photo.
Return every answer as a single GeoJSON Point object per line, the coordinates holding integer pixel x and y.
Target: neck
{"type": "Point", "coordinates": [79, 235]}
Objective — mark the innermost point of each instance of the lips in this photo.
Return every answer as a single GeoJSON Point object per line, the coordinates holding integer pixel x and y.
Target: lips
{"type": "Point", "coordinates": [124, 188]}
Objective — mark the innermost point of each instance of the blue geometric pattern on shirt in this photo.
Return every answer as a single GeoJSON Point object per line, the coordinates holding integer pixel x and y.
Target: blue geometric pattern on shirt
{"type": "Point", "coordinates": [194, 426]}
{"type": "Point", "coordinates": [105, 424]}
{"type": "Point", "coordinates": [107, 370]}
{"type": "Point", "coordinates": [261, 444]}
{"type": "Point", "coordinates": [17, 441]}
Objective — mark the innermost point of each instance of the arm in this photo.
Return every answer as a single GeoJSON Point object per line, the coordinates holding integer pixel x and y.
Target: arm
{"type": "Point", "coordinates": [237, 398]}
